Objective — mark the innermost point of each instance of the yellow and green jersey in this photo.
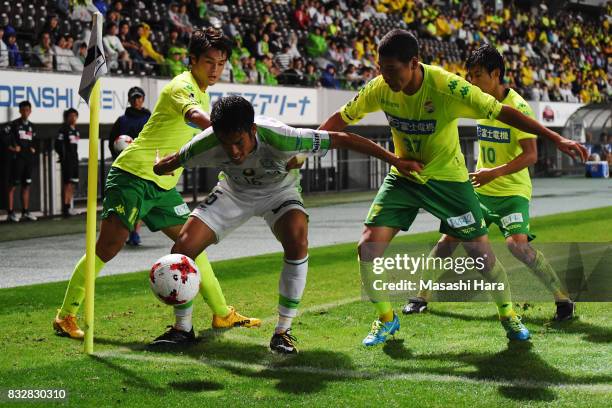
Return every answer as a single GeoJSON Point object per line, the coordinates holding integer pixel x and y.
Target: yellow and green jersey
{"type": "Point", "coordinates": [424, 125]}
{"type": "Point", "coordinates": [499, 144]}
{"type": "Point", "coordinates": [165, 131]}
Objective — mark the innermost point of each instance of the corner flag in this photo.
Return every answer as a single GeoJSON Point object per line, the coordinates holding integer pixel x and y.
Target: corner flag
{"type": "Point", "coordinates": [89, 89]}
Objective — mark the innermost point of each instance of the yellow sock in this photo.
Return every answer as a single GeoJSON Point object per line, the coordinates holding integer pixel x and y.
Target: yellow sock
{"type": "Point", "coordinates": [75, 292]}
{"type": "Point", "coordinates": [386, 316]}
{"type": "Point", "coordinates": [210, 288]}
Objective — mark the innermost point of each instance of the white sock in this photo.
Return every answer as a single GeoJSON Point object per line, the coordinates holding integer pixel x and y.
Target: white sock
{"type": "Point", "coordinates": [183, 319]}
{"type": "Point", "coordinates": [284, 324]}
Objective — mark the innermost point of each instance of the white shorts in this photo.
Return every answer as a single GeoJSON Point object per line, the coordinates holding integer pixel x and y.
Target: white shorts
{"type": "Point", "coordinates": [224, 210]}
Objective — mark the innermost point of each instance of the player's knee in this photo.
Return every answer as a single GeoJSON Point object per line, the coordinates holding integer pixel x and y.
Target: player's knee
{"type": "Point", "coordinates": [296, 243]}
{"type": "Point", "coordinates": [183, 246]}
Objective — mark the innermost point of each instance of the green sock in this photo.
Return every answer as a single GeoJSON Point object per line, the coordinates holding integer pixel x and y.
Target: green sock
{"type": "Point", "coordinates": [545, 272]}
{"type": "Point", "coordinates": [210, 288]}
{"type": "Point", "coordinates": [75, 293]}
{"type": "Point", "coordinates": [379, 299]}
{"type": "Point", "coordinates": [503, 299]}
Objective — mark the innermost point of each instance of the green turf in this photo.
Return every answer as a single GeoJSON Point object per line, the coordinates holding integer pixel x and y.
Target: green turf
{"type": "Point", "coordinates": [456, 355]}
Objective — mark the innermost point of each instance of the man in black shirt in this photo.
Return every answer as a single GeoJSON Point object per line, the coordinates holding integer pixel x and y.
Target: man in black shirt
{"type": "Point", "coordinates": [21, 135]}
{"type": "Point", "coordinates": [67, 147]}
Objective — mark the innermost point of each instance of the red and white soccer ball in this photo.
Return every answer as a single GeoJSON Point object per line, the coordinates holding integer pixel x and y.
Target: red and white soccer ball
{"type": "Point", "coordinates": [121, 142]}
{"type": "Point", "coordinates": [174, 279]}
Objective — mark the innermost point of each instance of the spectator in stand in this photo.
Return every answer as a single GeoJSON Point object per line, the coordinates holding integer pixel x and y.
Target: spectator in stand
{"type": "Point", "coordinates": [313, 76]}
{"type": "Point", "coordinates": [352, 77]}
{"type": "Point", "coordinates": [249, 68]}
{"type": "Point", "coordinates": [293, 46]}
{"type": "Point", "coordinates": [67, 148]}
{"type": "Point", "coordinates": [316, 44]}
{"type": "Point", "coordinates": [44, 53]}
{"type": "Point", "coordinates": [148, 52]}
{"type": "Point", "coordinates": [175, 19]}
{"type": "Point", "coordinates": [14, 55]}
{"type": "Point", "coordinates": [116, 56]}
{"type": "Point", "coordinates": [174, 63]}
{"type": "Point", "coordinates": [263, 46]}
{"type": "Point", "coordinates": [65, 59]}
{"type": "Point", "coordinates": [82, 52]}
{"type": "Point", "coordinates": [52, 27]}
{"type": "Point", "coordinates": [21, 144]}
{"type": "Point", "coordinates": [231, 29]}
{"type": "Point", "coordinates": [265, 70]}
{"type": "Point", "coordinates": [328, 78]}
{"type": "Point", "coordinates": [131, 124]}
{"type": "Point", "coordinates": [172, 41]}
{"type": "Point", "coordinates": [184, 19]}
{"type": "Point", "coordinates": [4, 58]}
{"type": "Point", "coordinates": [283, 59]}
{"type": "Point", "coordinates": [301, 17]}
{"type": "Point", "coordinates": [294, 75]}
{"type": "Point", "coordinates": [130, 44]}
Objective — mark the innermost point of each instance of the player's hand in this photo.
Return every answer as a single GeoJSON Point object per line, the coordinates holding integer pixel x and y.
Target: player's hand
{"type": "Point", "coordinates": [33, 150]}
{"type": "Point", "coordinates": [572, 149]}
{"type": "Point", "coordinates": [296, 162]}
{"type": "Point", "coordinates": [406, 167]}
{"type": "Point", "coordinates": [483, 176]}
{"type": "Point", "coordinates": [17, 149]}
{"type": "Point", "coordinates": [158, 167]}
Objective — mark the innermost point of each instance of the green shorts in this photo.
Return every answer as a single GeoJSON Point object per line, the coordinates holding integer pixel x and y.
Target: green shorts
{"type": "Point", "coordinates": [511, 214]}
{"type": "Point", "coordinates": [398, 200]}
{"type": "Point", "coordinates": [133, 198]}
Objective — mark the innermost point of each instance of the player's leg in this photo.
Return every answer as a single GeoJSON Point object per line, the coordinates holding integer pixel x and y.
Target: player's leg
{"type": "Point", "coordinates": [444, 248]}
{"type": "Point", "coordinates": [535, 260]}
{"type": "Point", "coordinates": [16, 170]}
{"type": "Point", "coordinates": [214, 218]}
{"type": "Point", "coordinates": [110, 241]}
{"type": "Point", "coordinates": [123, 202]}
{"type": "Point", "coordinates": [291, 229]}
{"type": "Point", "coordinates": [26, 182]}
{"type": "Point", "coordinates": [461, 215]}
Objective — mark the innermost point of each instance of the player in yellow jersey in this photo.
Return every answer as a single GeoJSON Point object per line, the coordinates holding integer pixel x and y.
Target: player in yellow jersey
{"type": "Point", "coordinates": [134, 192]}
{"type": "Point", "coordinates": [422, 104]}
{"type": "Point", "coordinates": [502, 182]}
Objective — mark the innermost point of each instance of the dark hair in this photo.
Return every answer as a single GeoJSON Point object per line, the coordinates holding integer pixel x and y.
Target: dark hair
{"type": "Point", "coordinates": [68, 112]}
{"type": "Point", "coordinates": [399, 44]}
{"type": "Point", "coordinates": [488, 58]}
{"type": "Point", "coordinates": [25, 104]}
{"type": "Point", "coordinates": [202, 40]}
{"type": "Point", "coordinates": [232, 114]}
{"type": "Point", "coordinates": [110, 25]}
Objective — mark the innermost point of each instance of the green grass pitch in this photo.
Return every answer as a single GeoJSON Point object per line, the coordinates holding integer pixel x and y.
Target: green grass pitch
{"type": "Point", "coordinates": [456, 355]}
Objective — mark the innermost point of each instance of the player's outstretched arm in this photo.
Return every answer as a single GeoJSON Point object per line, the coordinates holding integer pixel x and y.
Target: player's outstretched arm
{"type": "Point", "coordinates": [334, 123]}
{"type": "Point", "coordinates": [528, 157]}
{"type": "Point", "coordinates": [167, 165]}
{"type": "Point", "coordinates": [517, 119]}
{"type": "Point", "coordinates": [343, 140]}
{"type": "Point", "coordinates": [198, 117]}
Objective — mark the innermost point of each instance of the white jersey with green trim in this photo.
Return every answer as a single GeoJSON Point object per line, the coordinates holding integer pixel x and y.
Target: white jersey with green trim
{"type": "Point", "coordinates": [264, 170]}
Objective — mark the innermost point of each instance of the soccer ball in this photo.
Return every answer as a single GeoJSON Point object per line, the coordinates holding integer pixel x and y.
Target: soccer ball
{"type": "Point", "coordinates": [121, 142]}
{"type": "Point", "coordinates": [174, 279]}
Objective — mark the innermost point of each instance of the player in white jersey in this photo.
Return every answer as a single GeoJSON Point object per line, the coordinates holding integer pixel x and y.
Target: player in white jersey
{"type": "Point", "coordinates": [252, 154]}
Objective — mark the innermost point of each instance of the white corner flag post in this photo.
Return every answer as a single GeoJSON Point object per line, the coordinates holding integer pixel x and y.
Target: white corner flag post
{"type": "Point", "coordinates": [89, 89]}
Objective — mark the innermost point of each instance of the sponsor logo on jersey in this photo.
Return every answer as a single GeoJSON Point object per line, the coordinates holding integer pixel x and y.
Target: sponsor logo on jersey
{"type": "Point", "coordinates": [182, 209]}
{"type": "Point", "coordinates": [462, 220]}
{"type": "Point", "coordinates": [493, 134]}
{"type": "Point", "coordinates": [511, 219]}
{"type": "Point", "coordinates": [412, 126]}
